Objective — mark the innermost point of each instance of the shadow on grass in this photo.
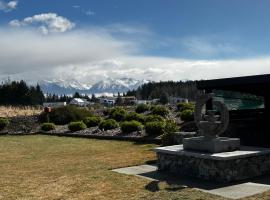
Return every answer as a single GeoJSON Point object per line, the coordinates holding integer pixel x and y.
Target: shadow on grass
{"type": "Point", "coordinates": [152, 186]}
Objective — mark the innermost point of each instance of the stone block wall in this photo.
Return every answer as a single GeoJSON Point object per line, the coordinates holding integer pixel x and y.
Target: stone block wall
{"type": "Point", "coordinates": [212, 169]}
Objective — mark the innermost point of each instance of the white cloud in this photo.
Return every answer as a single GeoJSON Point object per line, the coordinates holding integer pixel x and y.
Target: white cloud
{"type": "Point", "coordinates": [8, 6]}
{"type": "Point", "coordinates": [91, 55]}
{"type": "Point", "coordinates": [210, 46]}
{"type": "Point", "coordinates": [46, 22]}
{"type": "Point", "coordinates": [90, 12]}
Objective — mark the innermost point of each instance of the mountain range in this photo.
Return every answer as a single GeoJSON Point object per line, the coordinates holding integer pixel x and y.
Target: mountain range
{"type": "Point", "coordinates": [108, 86]}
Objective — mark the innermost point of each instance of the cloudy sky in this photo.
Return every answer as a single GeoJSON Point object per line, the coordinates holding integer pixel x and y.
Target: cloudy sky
{"type": "Point", "coordinates": [155, 39]}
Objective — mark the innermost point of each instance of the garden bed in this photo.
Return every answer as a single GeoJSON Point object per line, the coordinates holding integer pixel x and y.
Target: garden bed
{"type": "Point", "coordinates": [95, 132]}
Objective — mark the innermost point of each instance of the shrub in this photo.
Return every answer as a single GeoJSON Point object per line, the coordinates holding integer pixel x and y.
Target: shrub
{"type": "Point", "coordinates": [76, 126]}
{"type": "Point", "coordinates": [187, 115]}
{"type": "Point", "coordinates": [92, 121]}
{"type": "Point", "coordinates": [134, 116]}
{"type": "Point", "coordinates": [185, 106]}
{"type": "Point", "coordinates": [171, 126]}
{"type": "Point", "coordinates": [118, 114]}
{"type": "Point", "coordinates": [154, 118]}
{"type": "Point", "coordinates": [47, 126]}
{"type": "Point", "coordinates": [66, 114]}
{"type": "Point", "coordinates": [155, 128]}
{"type": "Point", "coordinates": [168, 137]}
{"type": "Point", "coordinates": [106, 112]}
{"type": "Point", "coordinates": [141, 108]}
{"type": "Point", "coordinates": [131, 126]}
{"type": "Point", "coordinates": [160, 110]}
{"type": "Point", "coordinates": [152, 107]}
{"type": "Point", "coordinates": [108, 124]}
{"type": "Point", "coordinates": [3, 123]}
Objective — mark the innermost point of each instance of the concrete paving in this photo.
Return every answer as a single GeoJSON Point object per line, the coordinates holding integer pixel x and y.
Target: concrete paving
{"type": "Point", "coordinates": [232, 191]}
{"type": "Point", "coordinates": [137, 170]}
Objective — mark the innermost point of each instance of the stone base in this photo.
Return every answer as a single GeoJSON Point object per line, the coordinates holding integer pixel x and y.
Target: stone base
{"type": "Point", "coordinates": [238, 165]}
{"type": "Point", "coordinates": [215, 145]}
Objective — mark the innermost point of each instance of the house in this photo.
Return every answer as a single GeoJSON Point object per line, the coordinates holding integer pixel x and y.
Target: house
{"type": "Point", "coordinates": [175, 100]}
{"type": "Point", "coordinates": [79, 102]}
{"type": "Point", "coordinates": [129, 100]}
{"type": "Point", "coordinates": [54, 104]}
{"type": "Point", "coordinates": [143, 102]}
{"type": "Point", "coordinates": [107, 101]}
{"type": "Point", "coordinates": [153, 101]}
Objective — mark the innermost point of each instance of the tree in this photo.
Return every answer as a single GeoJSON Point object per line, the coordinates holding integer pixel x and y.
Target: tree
{"type": "Point", "coordinates": [19, 93]}
{"type": "Point", "coordinates": [94, 98]}
{"type": "Point", "coordinates": [77, 95]}
{"type": "Point", "coordinates": [163, 98]}
{"type": "Point", "coordinates": [119, 100]}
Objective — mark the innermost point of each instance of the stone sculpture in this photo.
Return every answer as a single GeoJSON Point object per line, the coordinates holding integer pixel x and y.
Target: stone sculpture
{"type": "Point", "coordinates": [211, 125]}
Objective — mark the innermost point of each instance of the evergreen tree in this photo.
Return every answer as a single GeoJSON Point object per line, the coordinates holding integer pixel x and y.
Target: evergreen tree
{"type": "Point", "coordinates": [164, 99]}
{"type": "Point", "coordinates": [119, 100]}
{"type": "Point", "coordinates": [77, 95]}
{"type": "Point", "coordinates": [18, 93]}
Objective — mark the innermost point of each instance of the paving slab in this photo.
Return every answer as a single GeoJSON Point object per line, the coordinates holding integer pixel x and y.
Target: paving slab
{"type": "Point", "coordinates": [137, 170]}
{"type": "Point", "coordinates": [232, 190]}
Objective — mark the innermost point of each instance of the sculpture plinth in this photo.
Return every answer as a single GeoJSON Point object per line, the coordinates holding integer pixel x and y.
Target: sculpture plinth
{"type": "Point", "coordinates": [215, 145]}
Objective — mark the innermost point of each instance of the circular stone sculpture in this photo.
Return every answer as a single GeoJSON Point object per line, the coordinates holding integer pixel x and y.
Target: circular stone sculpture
{"type": "Point", "coordinates": [210, 124]}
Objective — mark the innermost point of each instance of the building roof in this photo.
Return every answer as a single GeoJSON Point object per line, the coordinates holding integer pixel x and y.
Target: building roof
{"type": "Point", "coordinates": [257, 84]}
{"type": "Point", "coordinates": [78, 100]}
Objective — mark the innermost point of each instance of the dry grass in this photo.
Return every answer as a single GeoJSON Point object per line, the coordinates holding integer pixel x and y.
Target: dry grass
{"type": "Point", "coordinates": [13, 111]}
{"type": "Point", "coordinates": [47, 167]}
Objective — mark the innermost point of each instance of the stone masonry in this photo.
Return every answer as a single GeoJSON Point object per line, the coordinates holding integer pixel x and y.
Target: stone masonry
{"type": "Point", "coordinates": [221, 167]}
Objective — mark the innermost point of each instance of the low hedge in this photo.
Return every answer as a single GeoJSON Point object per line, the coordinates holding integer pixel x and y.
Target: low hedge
{"type": "Point", "coordinates": [160, 110]}
{"type": "Point", "coordinates": [76, 126]}
{"type": "Point", "coordinates": [108, 124]}
{"type": "Point", "coordinates": [92, 121]}
{"type": "Point", "coordinates": [155, 128]}
{"type": "Point", "coordinates": [134, 116]}
{"type": "Point", "coordinates": [187, 115]}
{"type": "Point", "coordinates": [141, 108]}
{"type": "Point", "coordinates": [154, 118]}
{"type": "Point", "coordinates": [47, 126]}
{"type": "Point", "coordinates": [131, 126]}
{"type": "Point", "coordinates": [4, 122]}
{"type": "Point", "coordinates": [185, 106]}
{"type": "Point", "coordinates": [168, 138]}
{"type": "Point", "coordinates": [117, 114]}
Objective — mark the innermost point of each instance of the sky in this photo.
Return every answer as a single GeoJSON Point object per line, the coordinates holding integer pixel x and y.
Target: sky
{"type": "Point", "coordinates": [92, 40]}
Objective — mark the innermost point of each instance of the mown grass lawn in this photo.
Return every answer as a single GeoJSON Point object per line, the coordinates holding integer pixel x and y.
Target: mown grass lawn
{"type": "Point", "coordinates": [48, 167]}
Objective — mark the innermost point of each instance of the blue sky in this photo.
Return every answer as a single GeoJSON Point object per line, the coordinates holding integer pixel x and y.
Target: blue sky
{"type": "Point", "coordinates": [138, 31]}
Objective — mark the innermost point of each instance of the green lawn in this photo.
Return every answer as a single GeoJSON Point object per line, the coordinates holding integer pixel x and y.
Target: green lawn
{"type": "Point", "coordinates": [48, 167]}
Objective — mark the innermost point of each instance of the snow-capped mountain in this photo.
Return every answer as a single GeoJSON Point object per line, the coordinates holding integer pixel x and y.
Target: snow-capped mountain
{"type": "Point", "coordinates": [63, 87]}
{"type": "Point", "coordinates": [110, 85]}
{"type": "Point", "coordinates": [116, 85]}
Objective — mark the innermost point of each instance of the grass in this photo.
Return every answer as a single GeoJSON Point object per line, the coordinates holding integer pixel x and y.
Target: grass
{"type": "Point", "coordinates": [48, 167]}
{"type": "Point", "coordinates": [13, 111]}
